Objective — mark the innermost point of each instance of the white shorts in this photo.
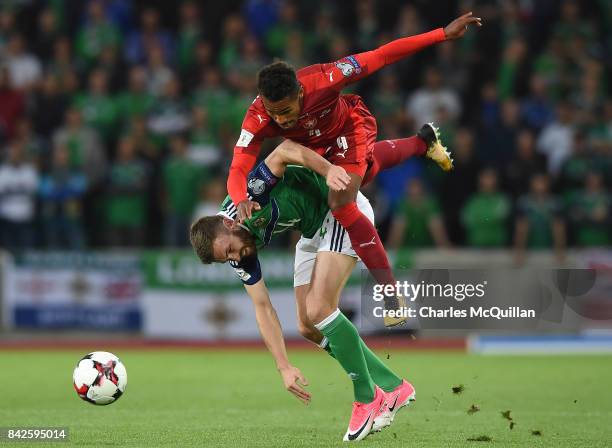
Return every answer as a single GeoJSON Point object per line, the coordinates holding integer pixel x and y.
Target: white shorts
{"type": "Point", "coordinates": [331, 237]}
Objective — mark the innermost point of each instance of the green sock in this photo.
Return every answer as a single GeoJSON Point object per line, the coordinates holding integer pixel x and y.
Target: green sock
{"type": "Point", "coordinates": [344, 344]}
{"type": "Point", "coordinates": [382, 375]}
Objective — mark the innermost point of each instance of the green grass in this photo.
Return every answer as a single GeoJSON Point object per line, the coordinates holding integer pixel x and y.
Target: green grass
{"type": "Point", "coordinates": [210, 398]}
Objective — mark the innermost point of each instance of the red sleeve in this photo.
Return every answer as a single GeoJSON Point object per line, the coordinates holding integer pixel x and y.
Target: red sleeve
{"type": "Point", "coordinates": [353, 68]}
{"type": "Point", "coordinates": [246, 150]}
{"type": "Point", "coordinates": [242, 163]}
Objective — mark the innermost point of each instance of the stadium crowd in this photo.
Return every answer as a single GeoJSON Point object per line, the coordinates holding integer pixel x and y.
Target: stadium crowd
{"type": "Point", "coordinates": [118, 119]}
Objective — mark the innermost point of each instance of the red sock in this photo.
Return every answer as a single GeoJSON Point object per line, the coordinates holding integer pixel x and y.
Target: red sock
{"type": "Point", "coordinates": [389, 153]}
{"type": "Point", "coordinates": [365, 241]}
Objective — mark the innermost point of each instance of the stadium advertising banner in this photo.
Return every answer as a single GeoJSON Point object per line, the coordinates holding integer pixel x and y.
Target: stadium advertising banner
{"type": "Point", "coordinates": [185, 299]}
{"type": "Point", "coordinates": [53, 290]}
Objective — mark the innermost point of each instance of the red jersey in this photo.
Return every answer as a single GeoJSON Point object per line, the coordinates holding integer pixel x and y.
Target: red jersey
{"type": "Point", "coordinates": [327, 116]}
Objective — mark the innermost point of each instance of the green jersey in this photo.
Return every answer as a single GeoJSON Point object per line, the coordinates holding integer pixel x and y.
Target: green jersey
{"type": "Point", "coordinates": [298, 201]}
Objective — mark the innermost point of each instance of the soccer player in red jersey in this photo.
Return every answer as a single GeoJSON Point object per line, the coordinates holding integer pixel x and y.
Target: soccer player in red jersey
{"type": "Point", "coordinates": [308, 108]}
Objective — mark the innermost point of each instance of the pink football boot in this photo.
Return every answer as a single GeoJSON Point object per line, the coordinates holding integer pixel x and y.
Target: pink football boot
{"type": "Point", "coordinates": [364, 415]}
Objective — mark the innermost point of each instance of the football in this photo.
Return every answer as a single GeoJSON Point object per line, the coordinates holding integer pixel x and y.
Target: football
{"type": "Point", "coordinates": [100, 378]}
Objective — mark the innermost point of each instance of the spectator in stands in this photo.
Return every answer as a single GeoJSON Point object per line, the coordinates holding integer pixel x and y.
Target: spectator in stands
{"type": "Point", "coordinates": [245, 69]}
{"type": "Point", "coordinates": [86, 153]}
{"type": "Point", "coordinates": [110, 62]}
{"type": "Point", "coordinates": [18, 186]}
{"type": "Point", "coordinates": [459, 185]}
{"type": "Point", "coordinates": [386, 102]}
{"type": "Point", "coordinates": [233, 33]}
{"type": "Point", "coordinates": [136, 100]}
{"type": "Point", "coordinates": [212, 193]}
{"type": "Point", "coordinates": [34, 147]}
{"type": "Point", "coordinates": [418, 222]}
{"type": "Point", "coordinates": [295, 50]}
{"type": "Point", "coordinates": [99, 109]}
{"type": "Point", "coordinates": [7, 27]}
{"type": "Point", "coordinates": [204, 148]}
{"type": "Point", "coordinates": [452, 66]}
{"type": "Point", "coordinates": [536, 109]}
{"type": "Point", "coordinates": [63, 66]}
{"type": "Point", "coordinates": [539, 223]}
{"type": "Point", "coordinates": [497, 145]}
{"type": "Point", "coordinates": [189, 37]}
{"type": "Point", "coordinates": [600, 134]}
{"type": "Point", "coordinates": [213, 96]}
{"type": "Point", "coordinates": [48, 31]}
{"type": "Point", "coordinates": [147, 147]}
{"type": "Point", "coordinates": [25, 70]}
{"type": "Point", "coordinates": [12, 106]}
{"type": "Point", "coordinates": [97, 33]}
{"type": "Point", "coordinates": [49, 107]}
{"type": "Point", "coordinates": [182, 181]}
{"type": "Point", "coordinates": [61, 193]}
{"type": "Point", "coordinates": [590, 213]}
{"type": "Point", "coordinates": [277, 35]}
{"type": "Point", "coordinates": [527, 162]}
{"type": "Point", "coordinates": [171, 114]}
{"type": "Point", "coordinates": [423, 104]}
{"type": "Point", "coordinates": [126, 198]}
{"type": "Point", "coordinates": [513, 69]}
{"type": "Point", "coordinates": [367, 24]}
{"type": "Point", "coordinates": [148, 35]}
{"type": "Point", "coordinates": [158, 71]}
{"type": "Point", "coordinates": [202, 60]}
{"type": "Point", "coordinates": [576, 167]}
{"type": "Point", "coordinates": [556, 139]}
{"type": "Point", "coordinates": [485, 215]}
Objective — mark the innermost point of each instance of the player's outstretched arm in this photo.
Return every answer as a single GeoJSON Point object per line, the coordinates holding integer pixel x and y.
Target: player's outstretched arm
{"type": "Point", "coordinates": [292, 153]}
{"type": "Point", "coordinates": [356, 67]}
{"type": "Point", "coordinates": [272, 334]}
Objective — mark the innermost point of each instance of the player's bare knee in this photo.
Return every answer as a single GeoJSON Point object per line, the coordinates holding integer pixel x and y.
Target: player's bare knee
{"type": "Point", "coordinates": [317, 312]}
{"type": "Point", "coordinates": [308, 331]}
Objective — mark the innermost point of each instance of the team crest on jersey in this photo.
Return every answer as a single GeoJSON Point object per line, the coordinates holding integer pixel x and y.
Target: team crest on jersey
{"type": "Point", "coordinates": [310, 123]}
{"type": "Point", "coordinates": [256, 186]}
{"type": "Point", "coordinates": [259, 222]}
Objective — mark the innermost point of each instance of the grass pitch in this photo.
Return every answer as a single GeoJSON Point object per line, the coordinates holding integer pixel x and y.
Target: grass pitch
{"type": "Point", "coordinates": [187, 398]}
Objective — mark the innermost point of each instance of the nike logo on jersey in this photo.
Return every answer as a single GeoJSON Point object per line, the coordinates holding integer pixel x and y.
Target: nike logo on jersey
{"type": "Point", "coordinates": [370, 243]}
{"type": "Point", "coordinates": [331, 76]}
{"type": "Point", "coordinates": [261, 119]}
{"type": "Point", "coordinates": [353, 436]}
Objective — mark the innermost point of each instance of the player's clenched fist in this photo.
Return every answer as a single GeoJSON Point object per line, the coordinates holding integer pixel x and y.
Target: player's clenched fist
{"type": "Point", "coordinates": [294, 382]}
{"type": "Point", "coordinates": [245, 209]}
{"type": "Point", "coordinates": [459, 26]}
{"type": "Point", "coordinates": [337, 179]}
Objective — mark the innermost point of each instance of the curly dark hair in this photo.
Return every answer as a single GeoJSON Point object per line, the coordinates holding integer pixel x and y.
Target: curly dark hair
{"type": "Point", "coordinates": [277, 81]}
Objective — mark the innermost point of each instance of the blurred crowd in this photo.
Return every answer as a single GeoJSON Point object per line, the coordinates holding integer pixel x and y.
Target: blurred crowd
{"type": "Point", "coordinates": [118, 119]}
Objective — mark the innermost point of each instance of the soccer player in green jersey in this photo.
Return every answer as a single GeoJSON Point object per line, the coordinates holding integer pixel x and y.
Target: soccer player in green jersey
{"type": "Point", "coordinates": [294, 197]}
